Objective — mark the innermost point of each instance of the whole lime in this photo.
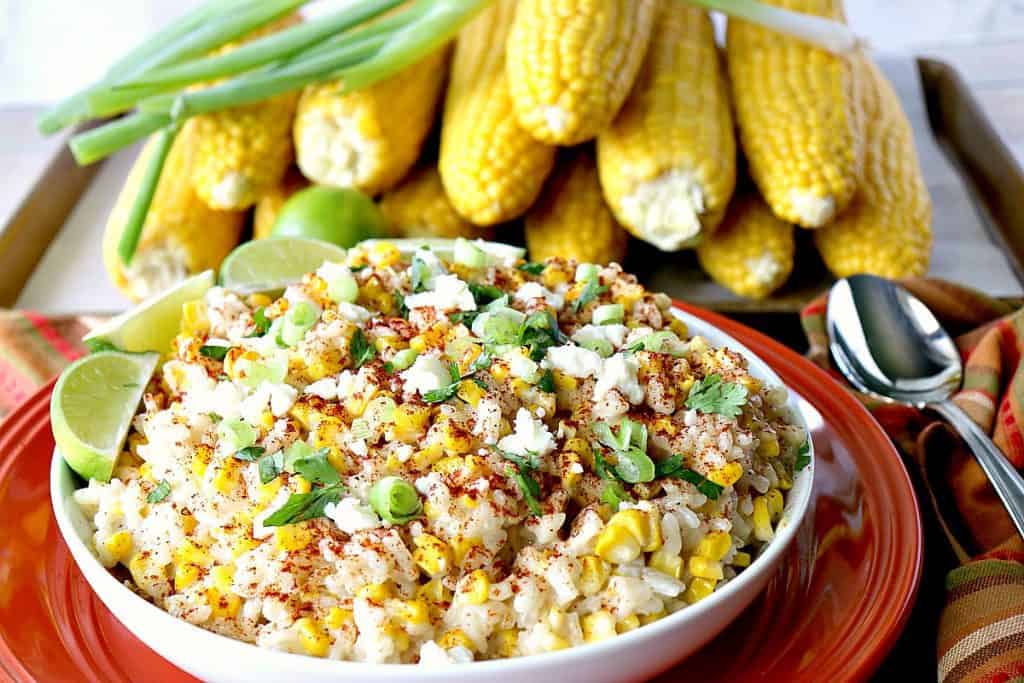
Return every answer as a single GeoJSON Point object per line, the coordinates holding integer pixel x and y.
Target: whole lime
{"type": "Point", "coordinates": [342, 216]}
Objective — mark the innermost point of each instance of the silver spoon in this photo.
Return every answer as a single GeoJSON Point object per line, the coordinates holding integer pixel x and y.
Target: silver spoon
{"type": "Point", "coordinates": [888, 344]}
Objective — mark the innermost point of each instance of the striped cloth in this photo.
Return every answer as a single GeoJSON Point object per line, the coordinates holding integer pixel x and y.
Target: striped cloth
{"type": "Point", "coordinates": [981, 629]}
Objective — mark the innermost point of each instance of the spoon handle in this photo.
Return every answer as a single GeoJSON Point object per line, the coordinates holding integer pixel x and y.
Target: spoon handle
{"type": "Point", "coordinates": [1005, 479]}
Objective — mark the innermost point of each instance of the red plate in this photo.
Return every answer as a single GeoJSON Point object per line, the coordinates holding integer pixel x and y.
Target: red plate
{"type": "Point", "coordinates": [832, 613]}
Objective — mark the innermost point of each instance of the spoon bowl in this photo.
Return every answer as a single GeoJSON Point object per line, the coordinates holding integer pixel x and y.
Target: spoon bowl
{"type": "Point", "coordinates": [888, 344]}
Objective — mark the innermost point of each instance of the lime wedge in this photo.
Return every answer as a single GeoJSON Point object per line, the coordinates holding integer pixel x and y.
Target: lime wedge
{"type": "Point", "coordinates": [92, 408]}
{"type": "Point", "coordinates": [445, 247]}
{"type": "Point", "coordinates": [265, 265]}
{"type": "Point", "coordinates": [152, 324]}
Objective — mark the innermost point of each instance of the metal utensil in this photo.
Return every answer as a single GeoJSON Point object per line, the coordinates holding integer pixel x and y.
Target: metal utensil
{"type": "Point", "coordinates": [888, 344]}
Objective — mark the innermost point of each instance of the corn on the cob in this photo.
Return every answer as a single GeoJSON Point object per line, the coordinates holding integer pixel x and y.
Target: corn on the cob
{"type": "Point", "coordinates": [571, 63]}
{"type": "Point", "coordinates": [368, 139]}
{"type": "Point", "coordinates": [798, 116]}
{"type": "Point", "coordinates": [270, 204]}
{"type": "Point", "coordinates": [492, 169]}
{"type": "Point", "coordinates": [668, 161]}
{"type": "Point", "coordinates": [751, 253]}
{"type": "Point", "coordinates": [571, 219]}
{"type": "Point", "coordinates": [887, 229]}
{"type": "Point", "coordinates": [244, 151]}
{"type": "Point", "coordinates": [419, 207]}
{"type": "Point", "coordinates": [181, 235]}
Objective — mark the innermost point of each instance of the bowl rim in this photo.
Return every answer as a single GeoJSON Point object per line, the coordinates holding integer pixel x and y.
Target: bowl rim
{"type": "Point", "coordinates": [794, 513]}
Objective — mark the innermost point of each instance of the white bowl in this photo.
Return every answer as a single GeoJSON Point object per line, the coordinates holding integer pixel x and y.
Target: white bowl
{"type": "Point", "coordinates": [635, 655]}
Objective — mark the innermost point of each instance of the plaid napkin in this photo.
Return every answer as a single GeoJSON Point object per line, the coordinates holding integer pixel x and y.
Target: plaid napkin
{"type": "Point", "coordinates": [981, 628]}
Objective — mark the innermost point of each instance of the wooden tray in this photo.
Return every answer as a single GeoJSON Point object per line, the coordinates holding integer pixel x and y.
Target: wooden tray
{"type": "Point", "coordinates": [977, 190]}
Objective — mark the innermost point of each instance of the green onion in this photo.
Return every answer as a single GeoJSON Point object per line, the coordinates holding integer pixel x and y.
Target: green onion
{"type": "Point", "coordinates": [161, 491]}
{"type": "Point", "coordinates": [236, 433]}
{"type": "Point", "coordinates": [501, 303]}
{"type": "Point", "coordinates": [299, 319]}
{"type": "Point", "coordinates": [136, 220]}
{"type": "Point", "coordinates": [272, 370]}
{"type": "Point", "coordinates": [395, 500]}
{"type": "Point", "coordinates": [403, 359]}
{"type": "Point", "coordinates": [609, 314]}
{"type": "Point", "coordinates": [634, 466]}
{"type": "Point", "coordinates": [99, 143]}
{"type": "Point", "coordinates": [343, 289]}
{"type": "Point", "coordinates": [498, 329]}
{"type": "Point", "coordinates": [381, 410]}
{"type": "Point", "coordinates": [830, 35]}
{"type": "Point", "coordinates": [601, 347]}
{"type": "Point", "coordinates": [360, 429]}
{"type": "Point", "coordinates": [468, 254]}
{"type": "Point", "coordinates": [586, 271]}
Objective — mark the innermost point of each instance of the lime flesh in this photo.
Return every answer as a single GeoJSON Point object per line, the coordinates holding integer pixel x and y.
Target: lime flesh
{"type": "Point", "coordinates": [93, 405]}
{"type": "Point", "coordinates": [151, 325]}
{"type": "Point", "coordinates": [266, 265]}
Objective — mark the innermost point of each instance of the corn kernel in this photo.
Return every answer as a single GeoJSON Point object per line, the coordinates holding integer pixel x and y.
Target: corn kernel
{"type": "Point", "coordinates": [727, 474]}
{"type": "Point", "coordinates": [337, 617]}
{"type": "Point", "coordinates": [139, 566]}
{"type": "Point", "coordinates": [396, 634]}
{"type": "Point", "coordinates": [242, 546]}
{"type": "Point", "coordinates": [292, 537]}
{"type": "Point", "coordinates": [258, 300]}
{"type": "Point", "coordinates": [617, 545]}
{"type": "Point", "coordinates": [455, 638]}
{"type": "Point", "coordinates": [506, 642]}
{"type": "Point", "coordinates": [146, 471]}
{"type": "Point", "coordinates": [477, 587]}
{"type": "Point", "coordinates": [228, 476]}
{"type": "Point", "coordinates": [194, 320]}
{"type": "Point", "coordinates": [413, 612]}
{"type": "Point", "coordinates": [222, 576]}
{"type": "Point", "coordinates": [706, 569]}
{"type": "Point", "coordinates": [563, 381]}
{"type": "Point", "coordinates": [628, 624]}
{"type": "Point", "coordinates": [375, 592]}
{"type": "Point", "coordinates": [462, 546]}
{"type": "Point", "coordinates": [594, 573]}
{"type": "Point", "coordinates": [184, 576]}
{"type": "Point", "coordinates": [698, 590]}
{"type": "Point", "coordinates": [383, 254]}
{"type": "Point", "coordinates": [762, 519]}
{"type": "Point", "coordinates": [651, 618]}
{"type": "Point", "coordinates": [775, 503]}
{"type": "Point", "coordinates": [188, 524]}
{"type": "Point", "coordinates": [551, 277]}
{"type": "Point", "coordinates": [223, 605]}
{"type": "Point", "coordinates": [434, 591]}
{"type": "Point", "coordinates": [470, 392]}
{"type": "Point", "coordinates": [200, 461]}
{"type": "Point", "coordinates": [741, 559]}
{"type": "Point", "coordinates": [300, 484]}
{"type": "Point", "coordinates": [119, 545]}
{"type": "Point", "coordinates": [714, 546]}
{"type": "Point", "coordinates": [667, 564]}
{"type": "Point", "coordinates": [598, 626]}
{"type": "Point", "coordinates": [499, 371]}
{"type": "Point", "coordinates": [652, 539]}
{"type": "Point", "coordinates": [192, 553]}
{"type": "Point", "coordinates": [679, 327]}
{"type": "Point", "coordinates": [267, 492]}
{"type": "Point", "coordinates": [314, 639]}
{"type": "Point", "coordinates": [410, 422]}
{"type": "Point", "coordinates": [768, 445]}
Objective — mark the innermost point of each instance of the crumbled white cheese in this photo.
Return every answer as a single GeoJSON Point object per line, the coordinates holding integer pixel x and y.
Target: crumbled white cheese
{"type": "Point", "coordinates": [331, 271]}
{"type": "Point", "coordinates": [520, 365]}
{"type": "Point", "coordinates": [613, 334]}
{"type": "Point", "coordinates": [326, 388]}
{"type": "Point", "coordinates": [432, 654]}
{"type": "Point", "coordinates": [351, 516]}
{"type": "Point", "coordinates": [530, 436]}
{"type": "Point", "coordinates": [432, 267]}
{"type": "Point", "coordinates": [353, 313]}
{"type": "Point", "coordinates": [426, 374]}
{"type": "Point", "coordinates": [620, 373]}
{"type": "Point", "coordinates": [534, 290]}
{"type": "Point", "coordinates": [574, 361]}
{"type": "Point", "coordinates": [448, 293]}
{"type": "Point", "coordinates": [281, 398]}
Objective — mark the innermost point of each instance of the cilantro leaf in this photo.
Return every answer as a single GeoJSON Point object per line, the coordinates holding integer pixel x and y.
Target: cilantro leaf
{"type": "Point", "coordinates": [449, 390]}
{"type": "Point", "coordinates": [703, 484]}
{"type": "Point", "coordinates": [214, 351]}
{"type": "Point", "coordinates": [317, 469]}
{"type": "Point", "coordinates": [482, 362]}
{"type": "Point", "coordinates": [539, 332]}
{"type": "Point", "coordinates": [361, 350]}
{"type": "Point", "coordinates": [484, 294]}
{"type": "Point", "coordinates": [528, 486]}
{"type": "Point", "coordinates": [419, 272]}
{"type": "Point", "coordinates": [261, 321]}
{"type": "Point", "coordinates": [161, 491]}
{"type": "Point", "coordinates": [547, 382]}
{"type": "Point", "coordinates": [464, 317]}
{"type": "Point", "coordinates": [356, 269]}
{"type": "Point", "coordinates": [530, 461]}
{"type": "Point", "coordinates": [400, 307]}
{"type": "Point", "coordinates": [669, 467]}
{"type": "Point", "coordinates": [591, 291]}
{"type": "Point", "coordinates": [613, 494]}
{"type": "Point", "coordinates": [803, 456]}
{"type": "Point", "coordinates": [532, 268]}
{"type": "Point", "coordinates": [250, 453]}
{"type": "Point", "coordinates": [712, 395]}
{"type": "Point", "coordinates": [270, 466]}
{"type": "Point", "coordinates": [302, 506]}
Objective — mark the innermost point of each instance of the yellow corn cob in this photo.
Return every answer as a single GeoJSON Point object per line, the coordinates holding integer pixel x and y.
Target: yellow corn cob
{"type": "Point", "coordinates": [751, 253]}
{"type": "Point", "coordinates": [798, 116]}
{"type": "Point", "coordinates": [571, 63]}
{"type": "Point", "coordinates": [668, 161]}
{"type": "Point", "coordinates": [419, 207]}
{"type": "Point", "coordinates": [492, 169]}
{"type": "Point", "coordinates": [270, 204]}
{"type": "Point", "coordinates": [571, 219]}
{"type": "Point", "coordinates": [887, 229]}
{"type": "Point", "coordinates": [370, 138]}
{"type": "Point", "coordinates": [244, 151]}
{"type": "Point", "coordinates": [181, 235]}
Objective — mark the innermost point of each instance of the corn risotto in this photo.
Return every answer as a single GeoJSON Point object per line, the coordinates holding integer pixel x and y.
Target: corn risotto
{"type": "Point", "coordinates": [424, 460]}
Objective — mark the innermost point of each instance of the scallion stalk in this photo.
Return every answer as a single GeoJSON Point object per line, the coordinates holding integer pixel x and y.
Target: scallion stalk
{"type": "Point", "coordinates": [99, 143]}
{"type": "Point", "coordinates": [830, 35]}
{"type": "Point", "coordinates": [147, 188]}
